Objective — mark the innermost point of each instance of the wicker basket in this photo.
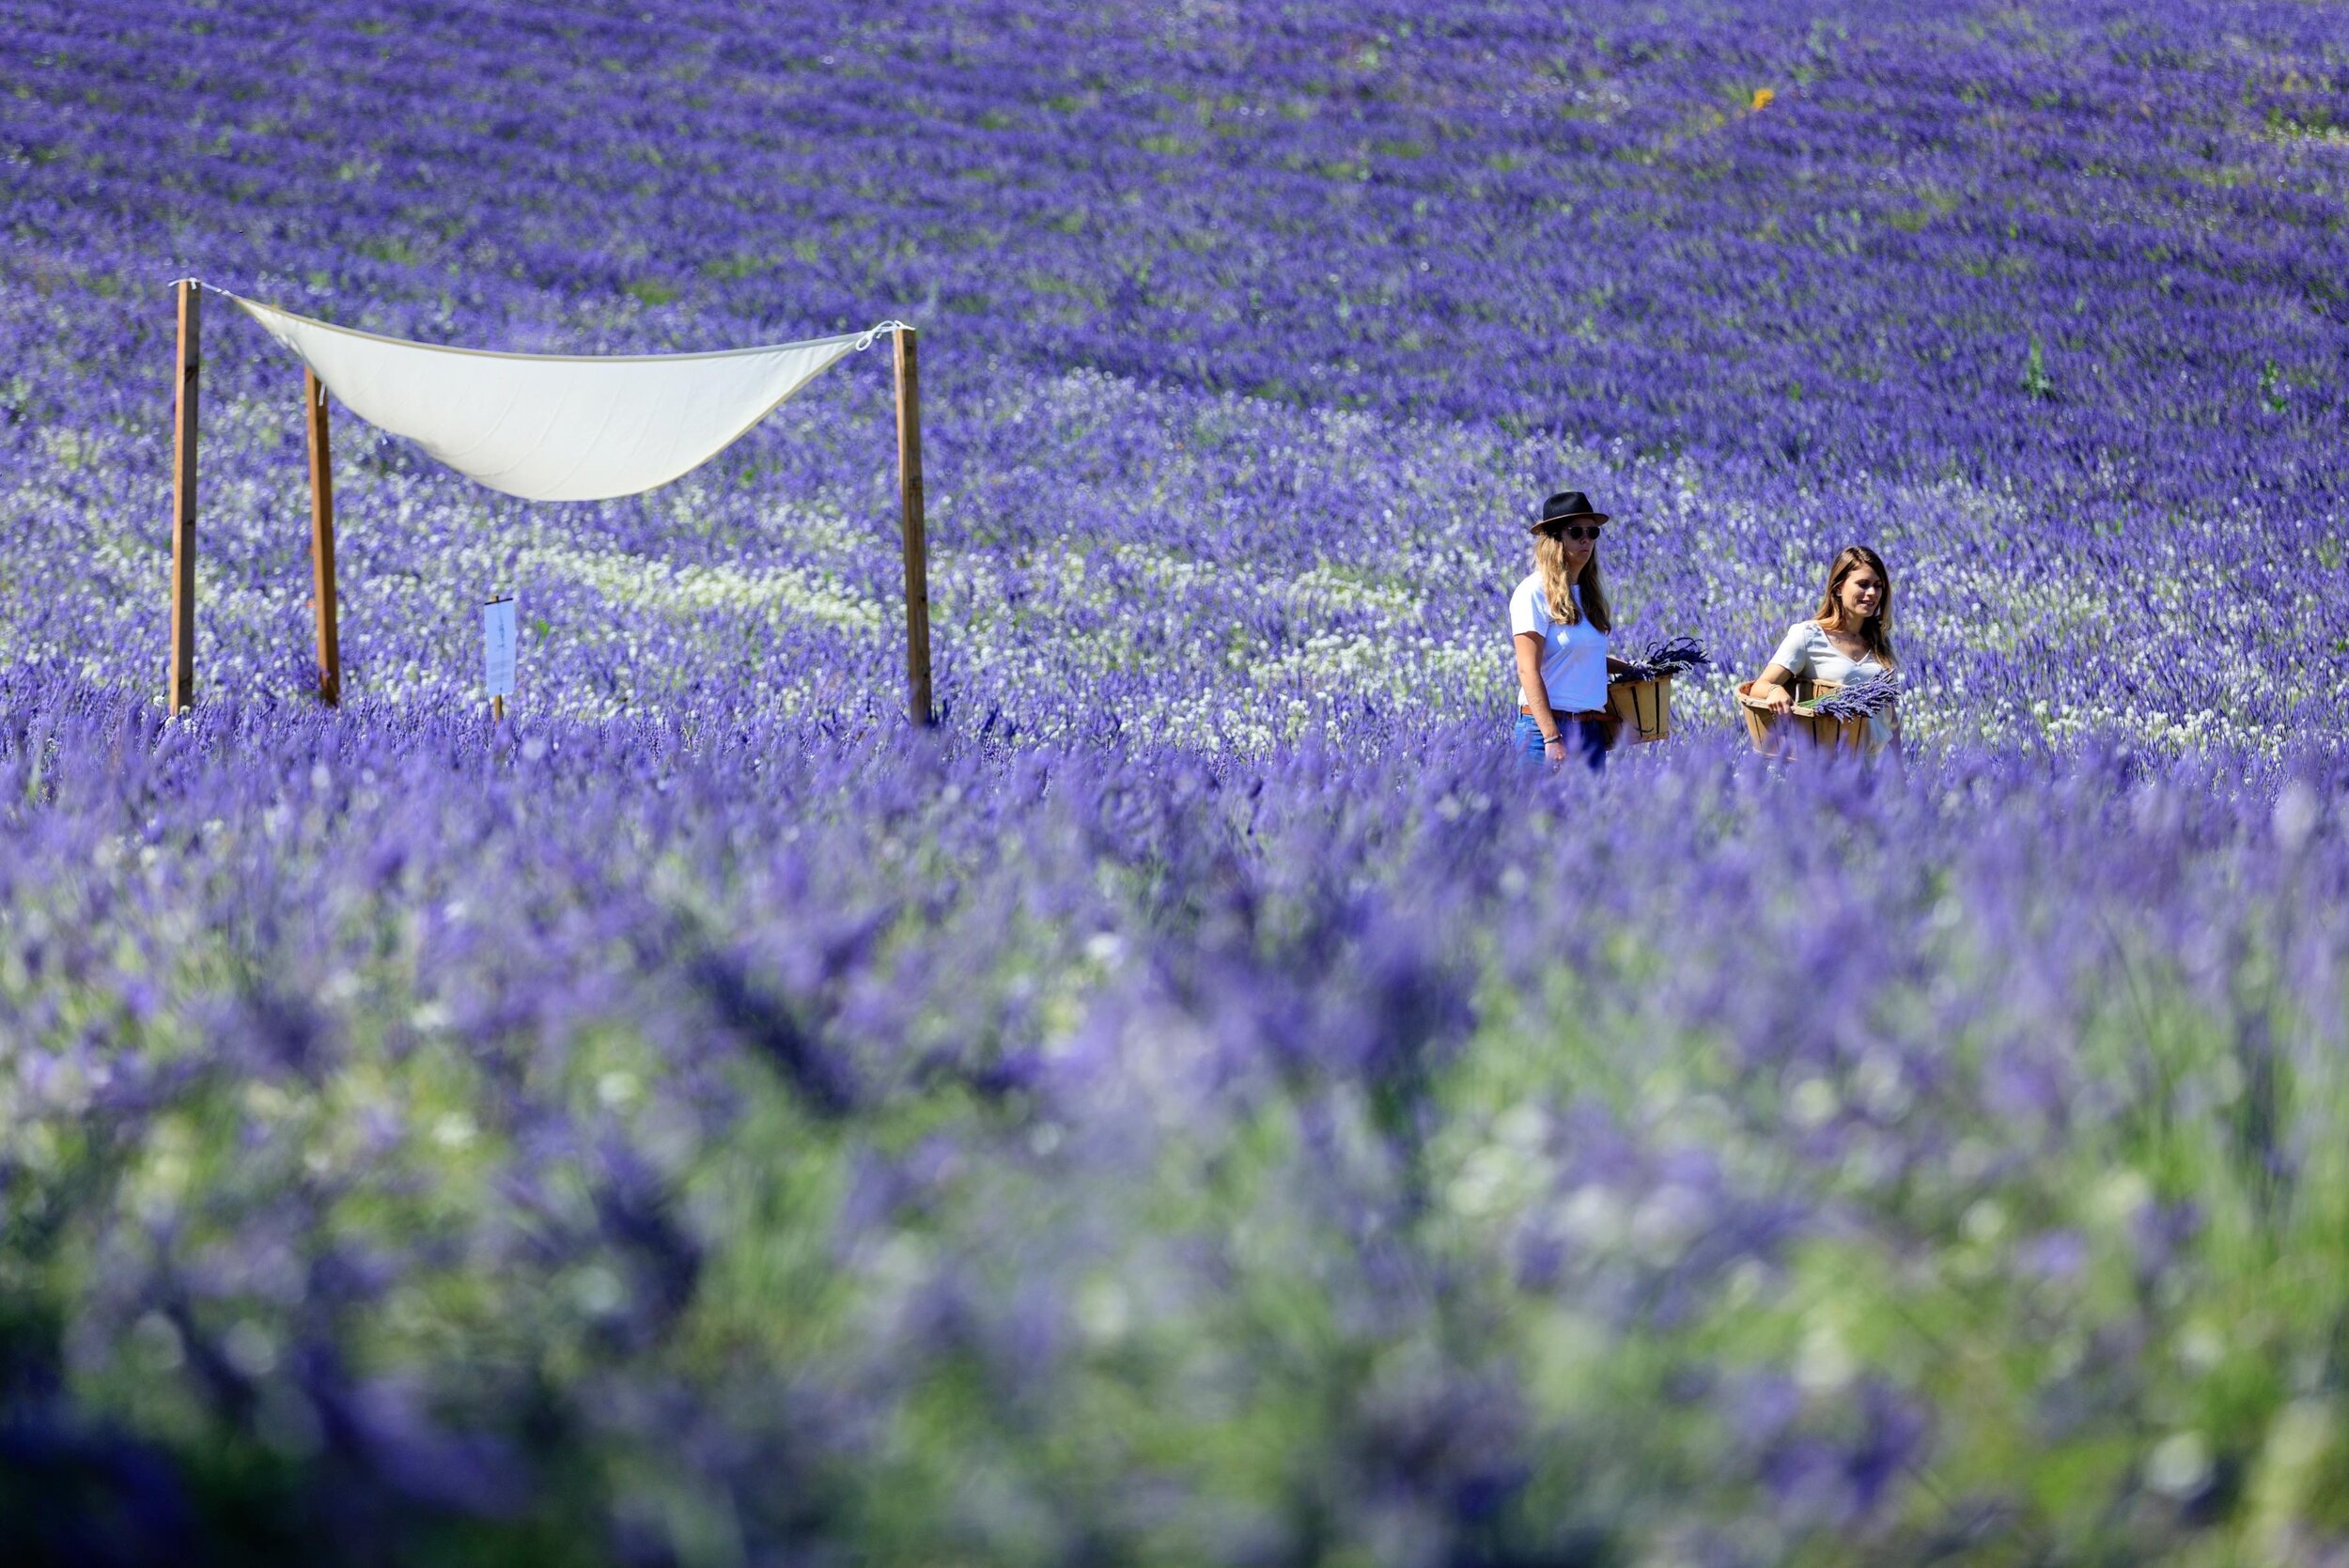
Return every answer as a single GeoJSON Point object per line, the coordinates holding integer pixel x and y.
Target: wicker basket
{"type": "Point", "coordinates": [1777, 734]}
{"type": "Point", "coordinates": [1644, 706]}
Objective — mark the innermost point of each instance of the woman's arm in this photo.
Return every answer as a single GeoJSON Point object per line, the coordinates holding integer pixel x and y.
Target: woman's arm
{"type": "Point", "coordinates": [1528, 647]}
{"type": "Point", "coordinates": [1771, 689]}
{"type": "Point", "coordinates": [1618, 666]}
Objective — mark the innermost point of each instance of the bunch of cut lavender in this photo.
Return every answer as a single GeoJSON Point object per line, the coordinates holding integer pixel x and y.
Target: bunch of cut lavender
{"type": "Point", "coordinates": [1861, 700]}
{"type": "Point", "coordinates": [1667, 658]}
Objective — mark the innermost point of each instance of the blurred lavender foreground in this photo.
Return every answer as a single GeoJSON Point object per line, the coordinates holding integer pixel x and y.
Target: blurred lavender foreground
{"type": "Point", "coordinates": [1202, 1104]}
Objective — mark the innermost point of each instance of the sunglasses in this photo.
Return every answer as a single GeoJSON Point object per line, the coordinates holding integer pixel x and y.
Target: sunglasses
{"type": "Point", "coordinates": [1576, 531]}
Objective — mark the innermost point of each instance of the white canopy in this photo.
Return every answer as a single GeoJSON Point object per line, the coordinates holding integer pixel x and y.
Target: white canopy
{"type": "Point", "coordinates": [556, 426]}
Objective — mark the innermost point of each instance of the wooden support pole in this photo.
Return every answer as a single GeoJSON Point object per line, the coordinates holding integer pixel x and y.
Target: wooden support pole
{"type": "Point", "coordinates": [322, 540]}
{"type": "Point", "coordinates": [180, 694]}
{"type": "Point", "coordinates": [916, 538]}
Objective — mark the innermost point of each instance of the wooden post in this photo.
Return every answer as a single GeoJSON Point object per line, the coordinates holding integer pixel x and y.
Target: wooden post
{"type": "Point", "coordinates": [180, 695]}
{"type": "Point", "coordinates": [916, 539]}
{"type": "Point", "coordinates": [322, 540]}
{"type": "Point", "coordinates": [497, 709]}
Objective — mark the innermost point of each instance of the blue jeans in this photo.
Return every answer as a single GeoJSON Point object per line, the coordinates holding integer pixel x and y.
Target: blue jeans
{"type": "Point", "coordinates": [1588, 736]}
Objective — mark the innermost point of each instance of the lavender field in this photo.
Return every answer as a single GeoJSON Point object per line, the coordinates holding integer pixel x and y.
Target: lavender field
{"type": "Point", "coordinates": [1204, 1102]}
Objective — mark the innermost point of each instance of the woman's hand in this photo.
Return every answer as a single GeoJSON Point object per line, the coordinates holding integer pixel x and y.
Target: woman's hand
{"type": "Point", "coordinates": [1554, 750]}
{"type": "Point", "coordinates": [1770, 686]}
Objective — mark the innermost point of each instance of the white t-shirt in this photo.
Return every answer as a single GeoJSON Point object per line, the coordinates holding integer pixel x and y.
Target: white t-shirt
{"type": "Point", "coordinates": [1808, 650]}
{"type": "Point", "coordinates": [1574, 658]}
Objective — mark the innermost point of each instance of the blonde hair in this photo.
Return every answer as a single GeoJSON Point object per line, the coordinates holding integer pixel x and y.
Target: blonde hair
{"type": "Point", "coordinates": [1549, 559]}
{"type": "Point", "coordinates": [1876, 630]}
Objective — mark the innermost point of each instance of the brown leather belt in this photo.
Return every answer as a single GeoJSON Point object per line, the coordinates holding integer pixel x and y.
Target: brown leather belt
{"type": "Point", "coordinates": [1584, 713]}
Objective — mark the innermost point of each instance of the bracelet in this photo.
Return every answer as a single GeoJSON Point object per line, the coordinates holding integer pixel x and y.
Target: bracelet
{"type": "Point", "coordinates": [1558, 740]}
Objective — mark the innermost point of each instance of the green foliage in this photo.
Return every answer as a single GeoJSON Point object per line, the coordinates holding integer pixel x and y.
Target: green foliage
{"type": "Point", "coordinates": [2036, 382]}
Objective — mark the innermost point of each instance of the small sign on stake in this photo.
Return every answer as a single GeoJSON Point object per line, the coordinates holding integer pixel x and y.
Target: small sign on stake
{"type": "Point", "coordinates": [497, 646]}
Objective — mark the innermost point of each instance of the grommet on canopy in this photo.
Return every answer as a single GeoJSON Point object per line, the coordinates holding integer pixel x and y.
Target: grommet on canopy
{"type": "Point", "coordinates": [541, 427]}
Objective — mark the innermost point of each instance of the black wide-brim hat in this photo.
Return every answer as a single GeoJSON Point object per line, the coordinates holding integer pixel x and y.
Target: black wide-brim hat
{"type": "Point", "coordinates": [1566, 506]}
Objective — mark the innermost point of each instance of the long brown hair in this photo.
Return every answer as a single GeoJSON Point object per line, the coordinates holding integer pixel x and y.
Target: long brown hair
{"type": "Point", "coordinates": [1549, 559]}
{"type": "Point", "coordinates": [1876, 630]}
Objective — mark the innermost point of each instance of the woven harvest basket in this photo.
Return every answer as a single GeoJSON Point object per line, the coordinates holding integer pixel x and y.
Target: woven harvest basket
{"type": "Point", "coordinates": [1776, 733]}
{"type": "Point", "coordinates": [1644, 706]}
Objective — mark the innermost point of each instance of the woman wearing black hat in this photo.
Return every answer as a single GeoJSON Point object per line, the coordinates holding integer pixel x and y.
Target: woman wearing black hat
{"type": "Point", "coordinates": [1558, 621]}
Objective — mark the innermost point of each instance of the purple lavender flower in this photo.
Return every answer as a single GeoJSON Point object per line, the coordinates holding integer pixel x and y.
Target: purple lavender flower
{"type": "Point", "coordinates": [1861, 699]}
{"type": "Point", "coordinates": [1668, 657]}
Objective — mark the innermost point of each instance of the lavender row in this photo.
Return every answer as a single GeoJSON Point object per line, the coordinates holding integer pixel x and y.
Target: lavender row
{"type": "Point", "coordinates": [1926, 244]}
{"type": "Point", "coordinates": [616, 1133]}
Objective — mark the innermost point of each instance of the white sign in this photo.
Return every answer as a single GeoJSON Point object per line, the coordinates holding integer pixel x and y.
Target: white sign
{"type": "Point", "coordinates": [497, 645]}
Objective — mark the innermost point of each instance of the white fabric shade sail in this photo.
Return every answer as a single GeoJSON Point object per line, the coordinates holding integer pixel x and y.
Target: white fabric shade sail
{"type": "Point", "coordinates": [556, 426]}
